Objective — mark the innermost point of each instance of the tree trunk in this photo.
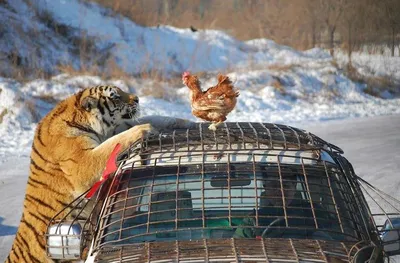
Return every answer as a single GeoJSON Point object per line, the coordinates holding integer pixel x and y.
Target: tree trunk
{"type": "Point", "coordinates": [332, 39]}
{"type": "Point", "coordinates": [314, 34]}
{"type": "Point", "coordinates": [350, 46]}
{"type": "Point", "coordinates": [393, 38]}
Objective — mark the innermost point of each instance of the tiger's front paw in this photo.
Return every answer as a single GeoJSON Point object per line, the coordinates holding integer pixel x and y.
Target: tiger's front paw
{"type": "Point", "coordinates": [143, 130]}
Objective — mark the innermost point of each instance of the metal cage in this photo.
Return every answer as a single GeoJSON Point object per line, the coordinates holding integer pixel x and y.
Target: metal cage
{"type": "Point", "coordinates": [70, 231]}
{"type": "Point", "coordinates": [255, 192]}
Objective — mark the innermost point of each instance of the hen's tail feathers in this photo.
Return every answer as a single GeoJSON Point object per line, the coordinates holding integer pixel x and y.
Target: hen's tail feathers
{"type": "Point", "coordinates": [225, 80]}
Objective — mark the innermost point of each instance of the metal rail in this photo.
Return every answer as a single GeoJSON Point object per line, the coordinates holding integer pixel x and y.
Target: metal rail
{"type": "Point", "coordinates": [196, 189]}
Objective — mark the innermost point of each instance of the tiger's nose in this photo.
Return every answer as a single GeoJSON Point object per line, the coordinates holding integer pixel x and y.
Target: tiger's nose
{"type": "Point", "coordinates": [133, 98]}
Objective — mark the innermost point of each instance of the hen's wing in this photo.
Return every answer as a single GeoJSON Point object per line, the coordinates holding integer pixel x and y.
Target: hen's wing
{"type": "Point", "coordinates": [217, 97]}
{"type": "Point", "coordinates": [209, 102]}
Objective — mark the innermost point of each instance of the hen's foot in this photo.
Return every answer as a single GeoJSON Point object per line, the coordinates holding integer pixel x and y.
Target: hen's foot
{"type": "Point", "coordinates": [213, 126]}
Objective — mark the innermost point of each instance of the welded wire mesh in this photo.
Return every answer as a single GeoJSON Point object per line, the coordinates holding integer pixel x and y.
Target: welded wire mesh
{"type": "Point", "coordinates": [70, 231]}
{"type": "Point", "coordinates": [303, 198]}
{"type": "Point", "coordinates": [231, 250]}
{"type": "Point", "coordinates": [385, 210]}
{"type": "Point", "coordinates": [238, 194]}
{"type": "Point", "coordinates": [246, 181]}
{"type": "Point", "coordinates": [231, 136]}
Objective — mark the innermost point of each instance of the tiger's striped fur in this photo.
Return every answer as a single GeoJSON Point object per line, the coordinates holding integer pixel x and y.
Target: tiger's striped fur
{"type": "Point", "coordinates": [69, 151]}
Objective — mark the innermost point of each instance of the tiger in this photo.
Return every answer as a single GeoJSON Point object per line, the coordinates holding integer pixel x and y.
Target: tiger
{"type": "Point", "coordinates": [70, 149]}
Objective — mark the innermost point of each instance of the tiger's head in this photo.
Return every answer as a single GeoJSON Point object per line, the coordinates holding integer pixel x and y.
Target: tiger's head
{"type": "Point", "coordinates": [108, 104]}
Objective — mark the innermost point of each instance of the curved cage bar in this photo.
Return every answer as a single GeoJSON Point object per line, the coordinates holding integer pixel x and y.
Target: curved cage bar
{"type": "Point", "coordinates": [248, 192]}
{"type": "Point", "coordinates": [246, 181]}
{"type": "Point", "coordinates": [231, 250]}
{"type": "Point", "coordinates": [231, 136]}
{"type": "Point", "coordinates": [385, 210]}
{"type": "Point", "coordinates": [70, 231]}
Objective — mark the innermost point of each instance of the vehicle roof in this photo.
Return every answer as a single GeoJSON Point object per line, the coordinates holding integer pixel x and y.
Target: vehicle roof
{"type": "Point", "coordinates": [230, 136]}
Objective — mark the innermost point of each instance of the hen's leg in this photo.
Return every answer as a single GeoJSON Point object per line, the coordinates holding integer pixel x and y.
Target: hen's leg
{"type": "Point", "coordinates": [213, 126]}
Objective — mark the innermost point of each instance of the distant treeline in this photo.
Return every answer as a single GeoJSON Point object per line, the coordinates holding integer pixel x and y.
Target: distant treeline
{"type": "Point", "coordinates": [302, 24]}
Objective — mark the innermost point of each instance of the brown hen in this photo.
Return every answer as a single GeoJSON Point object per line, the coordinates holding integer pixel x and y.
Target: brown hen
{"type": "Point", "coordinates": [215, 103]}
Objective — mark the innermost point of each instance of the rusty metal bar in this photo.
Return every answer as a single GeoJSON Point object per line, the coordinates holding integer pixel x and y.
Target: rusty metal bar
{"type": "Point", "coordinates": [177, 193]}
{"type": "Point", "coordinates": [296, 134]}
{"type": "Point", "coordinates": [255, 188]}
{"type": "Point", "coordinates": [333, 198]}
{"type": "Point", "coordinates": [282, 191]}
{"type": "Point", "coordinates": [177, 250]}
{"type": "Point", "coordinates": [173, 140]}
{"type": "Point", "coordinates": [160, 141]}
{"type": "Point", "coordinates": [201, 137]}
{"type": "Point", "coordinates": [264, 250]}
{"type": "Point", "coordinates": [321, 250]}
{"type": "Point", "coordinates": [294, 250]}
{"type": "Point", "coordinates": [123, 213]}
{"type": "Point", "coordinates": [150, 196]}
{"type": "Point", "coordinates": [242, 134]}
{"type": "Point", "coordinates": [228, 136]}
{"type": "Point", "coordinates": [234, 250]}
{"type": "Point", "coordinates": [229, 190]}
{"type": "Point", "coordinates": [187, 140]}
{"type": "Point", "coordinates": [379, 206]}
{"type": "Point", "coordinates": [255, 134]}
{"type": "Point", "coordinates": [283, 135]}
{"type": "Point", "coordinates": [269, 134]}
{"type": "Point", "coordinates": [207, 253]}
{"type": "Point", "coordinates": [203, 216]}
{"type": "Point", "coordinates": [309, 193]}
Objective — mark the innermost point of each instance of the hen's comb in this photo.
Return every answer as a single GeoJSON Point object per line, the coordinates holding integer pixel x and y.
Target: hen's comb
{"type": "Point", "coordinates": [185, 74]}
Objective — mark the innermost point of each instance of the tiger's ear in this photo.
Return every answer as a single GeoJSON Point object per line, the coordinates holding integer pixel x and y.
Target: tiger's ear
{"type": "Point", "coordinates": [88, 103]}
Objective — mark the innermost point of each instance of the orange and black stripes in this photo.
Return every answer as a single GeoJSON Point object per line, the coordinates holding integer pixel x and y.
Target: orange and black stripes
{"type": "Point", "coordinates": [45, 220]}
{"type": "Point", "coordinates": [36, 201]}
{"type": "Point", "coordinates": [83, 128]}
{"type": "Point", "coordinates": [55, 115]}
{"type": "Point", "coordinates": [35, 150]}
{"type": "Point", "coordinates": [21, 251]}
{"type": "Point", "coordinates": [45, 186]}
{"type": "Point", "coordinates": [39, 134]}
{"type": "Point", "coordinates": [63, 142]}
{"type": "Point", "coordinates": [38, 168]}
{"type": "Point", "coordinates": [35, 232]}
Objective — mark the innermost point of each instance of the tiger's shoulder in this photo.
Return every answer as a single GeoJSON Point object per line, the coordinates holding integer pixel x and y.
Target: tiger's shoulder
{"type": "Point", "coordinates": [69, 152]}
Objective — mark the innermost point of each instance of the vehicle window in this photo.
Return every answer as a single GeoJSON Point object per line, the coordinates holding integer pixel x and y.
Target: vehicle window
{"type": "Point", "coordinates": [239, 200]}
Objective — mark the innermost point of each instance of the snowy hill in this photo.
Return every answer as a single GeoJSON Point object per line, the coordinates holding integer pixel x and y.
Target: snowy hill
{"type": "Point", "coordinates": [54, 31]}
{"type": "Point", "coordinates": [277, 83]}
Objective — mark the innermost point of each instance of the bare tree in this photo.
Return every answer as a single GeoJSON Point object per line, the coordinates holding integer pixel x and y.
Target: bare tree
{"type": "Point", "coordinates": [353, 17]}
{"type": "Point", "coordinates": [392, 8]}
{"type": "Point", "coordinates": [311, 12]}
{"type": "Point", "coordinates": [298, 23]}
{"type": "Point", "coordinates": [331, 10]}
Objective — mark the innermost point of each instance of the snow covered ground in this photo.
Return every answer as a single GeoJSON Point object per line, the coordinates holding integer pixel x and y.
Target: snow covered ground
{"type": "Point", "coordinates": [371, 144]}
{"type": "Point", "coordinates": [45, 34]}
{"type": "Point", "coordinates": [308, 93]}
{"type": "Point", "coordinates": [277, 83]}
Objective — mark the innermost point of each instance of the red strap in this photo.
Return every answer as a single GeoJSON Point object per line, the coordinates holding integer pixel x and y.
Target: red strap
{"type": "Point", "coordinates": [111, 167]}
